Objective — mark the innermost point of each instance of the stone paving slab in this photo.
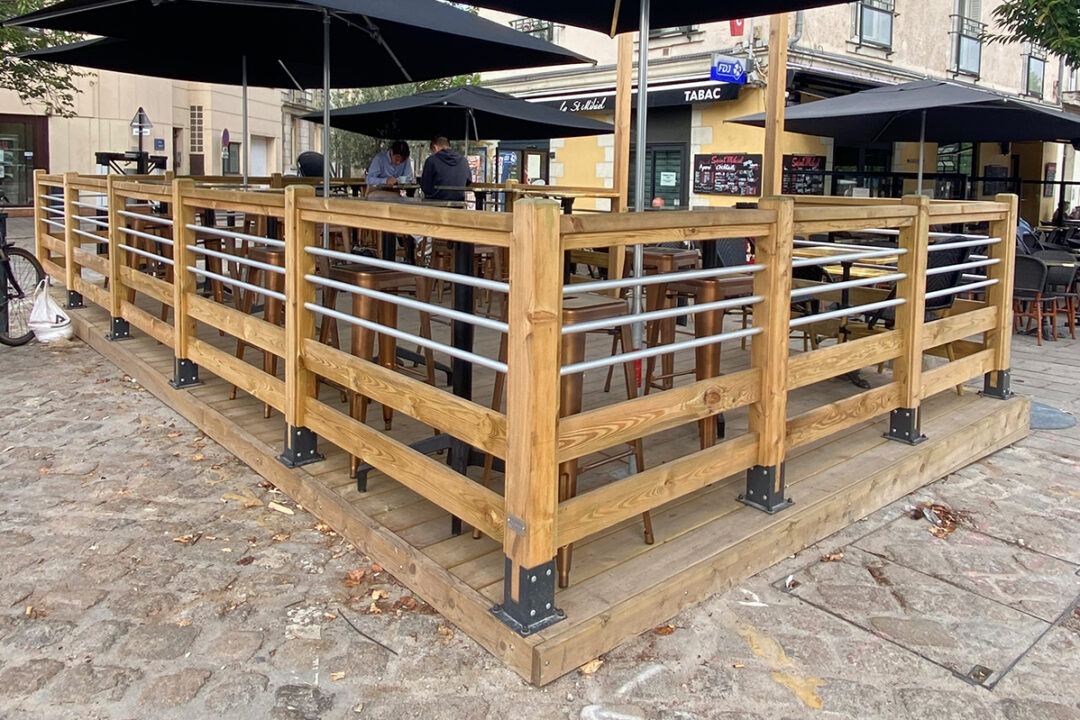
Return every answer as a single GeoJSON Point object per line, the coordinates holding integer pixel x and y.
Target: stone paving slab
{"type": "Point", "coordinates": [938, 621]}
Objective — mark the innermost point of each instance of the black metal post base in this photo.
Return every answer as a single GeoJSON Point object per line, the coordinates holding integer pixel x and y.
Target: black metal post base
{"type": "Point", "coordinates": [762, 490]}
{"type": "Point", "coordinates": [119, 329]}
{"type": "Point", "coordinates": [301, 447]}
{"type": "Point", "coordinates": [997, 385]}
{"type": "Point", "coordinates": [905, 426]}
{"type": "Point", "coordinates": [185, 374]}
{"type": "Point", "coordinates": [75, 300]}
{"type": "Point", "coordinates": [535, 608]}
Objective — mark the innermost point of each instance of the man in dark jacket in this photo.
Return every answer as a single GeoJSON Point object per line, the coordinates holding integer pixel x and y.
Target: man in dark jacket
{"type": "Point", "coordinates": [444, 168]}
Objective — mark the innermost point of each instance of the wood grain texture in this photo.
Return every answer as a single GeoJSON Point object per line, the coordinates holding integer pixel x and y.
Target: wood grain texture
{"type": "Point", "coordinates": [252, 330]}
{"type": "Point", "coordinates": [147, 284]}
{"type": "Point", "coordinates": [1000, 294]}
{"type": "Point", "coordinates": [152, 326]}
{"type": "Point", "coordinates": [614, 502]}
{"type": "Point", "coordinates": [479, 426]}
{"type": "Point", "coordinates": [907, 369]}
{"type": "Point", "coordinates": [299, 321]}
{"type": "Point", "coordinates": [532, 405]}
{"type": "Point", "coordinates": [92, 261]}
{"type": "Point", "coordinates": [94, 293]}
{"type": "Point", "coordinates": [606, 427]}
{"type": "Point", "coordinates": [184, 285]}
{"type": "Point", "coordinates": [772, 170]}
{"type": "Point", "coordinates": [957, 372]}
{"type": "Point", "coordinates": [834, 417]}
{"type": "Point", "coordinates": [434, 480]}
{"type": "Point", "coordinates": [249, 378]}
{"type": "Point", "coordinates": [817, 365]}
{"type": "Point", "coordinates": [958, 327]}
{"type": "Point", "coordinates": [71, 269]}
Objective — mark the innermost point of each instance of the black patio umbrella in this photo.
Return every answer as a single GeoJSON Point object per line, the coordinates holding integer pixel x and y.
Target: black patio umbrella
{"type": "Point", "coordinates": [394, 41]}
{"type": "Point", "coordinates": [485, 114]}
{"type": "Point", "coordinates": [933, 110]}
{"type": "Point", "coordinates": [619, 16]}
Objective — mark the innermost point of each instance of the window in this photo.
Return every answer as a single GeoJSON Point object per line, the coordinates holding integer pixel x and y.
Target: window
{"type": "Point", "coordinates": [196, 123]}
{"type": "Point", "coordinates": [230, 159]}
{"type": "Point", "coordinates": [1034, 70]}
{"type": "Point", "coordinates": [671, 31]}
{"type": "Point", "coordinates": [967, 37]}
{"type": "Point", "coordinates": [955, 158]}
{"type": "Point", "coordinates": [874, 22]}
{"type": "Point", "coordinates": [543, 29]}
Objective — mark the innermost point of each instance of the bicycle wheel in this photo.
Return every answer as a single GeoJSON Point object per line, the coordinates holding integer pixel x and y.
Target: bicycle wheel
{"type": "Point", "coordinates": [22, 274]}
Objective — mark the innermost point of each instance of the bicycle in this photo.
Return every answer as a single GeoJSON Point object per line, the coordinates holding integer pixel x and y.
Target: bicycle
{"type": "Point", "coordinates": [20, 273]}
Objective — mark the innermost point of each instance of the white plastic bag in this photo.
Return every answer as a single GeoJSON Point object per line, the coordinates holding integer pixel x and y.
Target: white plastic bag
{"type": "Point", "coordinates": [47, 319]}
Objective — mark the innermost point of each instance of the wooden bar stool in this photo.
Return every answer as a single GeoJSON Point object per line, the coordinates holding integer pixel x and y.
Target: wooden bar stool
{"type": "Point", "coordinates": [363, 340]}
{"type": "Point", "coordinates": [273, 309]}
{"type": "Point", "coordinates": [662, 261]}
{"type": "Point", "coordinates": [581, 308]}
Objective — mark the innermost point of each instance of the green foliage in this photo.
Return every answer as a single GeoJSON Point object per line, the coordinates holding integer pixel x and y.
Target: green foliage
{"type": "Point", "coordinates": [350, 151]}
{"type": "Point", "coordinates": [49, 84]}
{"type": "Point", "coordinates": [1050, 24]}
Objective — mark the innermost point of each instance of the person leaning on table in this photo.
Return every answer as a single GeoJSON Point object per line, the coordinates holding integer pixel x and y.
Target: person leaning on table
{"type": "Point", "coordinates": [391, 166]}
{"type": "Point", "coordinates": [444, 168]}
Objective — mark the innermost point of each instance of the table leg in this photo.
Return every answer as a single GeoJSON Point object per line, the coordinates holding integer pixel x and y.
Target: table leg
{"type": "Point", "coordinates": [462, 336]}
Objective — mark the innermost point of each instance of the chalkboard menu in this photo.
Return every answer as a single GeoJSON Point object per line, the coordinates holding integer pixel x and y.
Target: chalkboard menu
{"type": "Point", "coordinates": [804, 175]}
{"type": "Point", "coordinates": [728, 174]}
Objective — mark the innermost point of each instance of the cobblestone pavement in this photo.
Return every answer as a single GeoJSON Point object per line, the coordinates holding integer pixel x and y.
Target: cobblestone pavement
{"type": "Point", "coordinates": [146, 574]}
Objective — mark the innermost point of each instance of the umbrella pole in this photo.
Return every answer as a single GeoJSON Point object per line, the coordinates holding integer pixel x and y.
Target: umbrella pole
{"type": "Point", "coordinates": [922, 150]}
{"type": "Point", "coordinates": [326, 119]}
{"type": "Point", "coordinates": [637, 331]}
{"type": "Point", "coordinates": [244, 88]}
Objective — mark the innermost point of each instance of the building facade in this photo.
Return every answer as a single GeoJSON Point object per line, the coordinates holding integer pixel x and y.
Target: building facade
{"type": "Point", "coordinates": [695, 157]}
{"type": "Point", "coordinates": [196, 127]}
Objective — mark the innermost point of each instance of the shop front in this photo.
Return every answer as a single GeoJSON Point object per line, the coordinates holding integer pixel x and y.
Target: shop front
{"type": "Point", "coordinates": [24, 147]}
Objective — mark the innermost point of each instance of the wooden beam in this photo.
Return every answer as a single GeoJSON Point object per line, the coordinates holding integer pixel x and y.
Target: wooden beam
{"type": "Point", "coordinates": [252, 330]}
{"type": "Point", "coordinates": [1000, 294]}
{"type": "Point", "coordinates": [808, 368]}
{"type": "Point", "coordinates": [71, 269]}
{"type": "Point", "coordinates": [836, 416]}
{"type": "Point", "coordinates": [958, 327]}
{"type": "Point", "coordinates": [957, 372]}
{"type": "Point", "coordinates": [775, 99]}
{"type": "Point", "coordinates": [146, 284]}
{"type": "Point", "coordinates": [535, 318]}
{"type": "Point", "coordinates": [152, 326]}
{"type": "Point", "coordinates": [183, 214]}
{"type": "Point", "coordinates": [613, 425]}
{"type": "Point", "coordinates": [299, 321]}
{"type": "Point", "coordinates": [481, 427]}
{"type": "Point", "coordinates": [623, 93]}
{"type": "Point", "coordinates": [907, 368]}
{"type": "Point", "coordinates": [769, 350]}
{"type": "Point", "coordinates": [614, 502]}
{"type": "Point", "coordinates": [232, 369]}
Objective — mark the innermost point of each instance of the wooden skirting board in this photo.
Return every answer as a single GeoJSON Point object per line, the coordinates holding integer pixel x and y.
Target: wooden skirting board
{"type": "Point", "coordinates": [827, 479]}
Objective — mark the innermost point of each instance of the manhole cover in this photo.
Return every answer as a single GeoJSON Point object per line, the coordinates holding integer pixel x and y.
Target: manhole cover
{"type": "Point", "coordinates": [1044, 417]}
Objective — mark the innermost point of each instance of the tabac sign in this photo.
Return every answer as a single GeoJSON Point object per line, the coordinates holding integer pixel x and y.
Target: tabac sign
{"type": "Point", "coordinates": [728, 69]}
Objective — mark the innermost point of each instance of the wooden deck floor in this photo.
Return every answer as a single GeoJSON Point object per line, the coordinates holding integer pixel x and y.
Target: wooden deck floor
{"type": "Point", "coordinates": [705, 542]}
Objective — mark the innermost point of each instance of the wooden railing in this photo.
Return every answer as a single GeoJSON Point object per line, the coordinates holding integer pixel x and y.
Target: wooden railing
{"type": "Point", "coordinates": [532, 437]}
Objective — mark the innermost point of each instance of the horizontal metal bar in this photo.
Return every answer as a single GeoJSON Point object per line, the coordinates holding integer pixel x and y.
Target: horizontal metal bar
{"type": "Point", "coordinates": [962, 266]}
{"type": "Point", "coordinates": [92, 236]}
{"type": "Point", "coordinates": [847, 257]}
{"type": "Point", "coordinates": [237, 235]}
{"type": "Point", "coordinates": [93, 221]}
{"type": "Point", "coordinates": [961, 288]}
{"type": "Point", "coordinates": [54, 210]}
{"type": "Point", "coordinates": [619, 320]}
{"type": "Point", "coordinates": [844, 312]}
{"type": "Point", "coordinates": [858, 282]}
{"type": "Point", "coordinates": [148, 218]}
{"type": "Point", "coordinates": [439, 310]}
{"type": "Point", "coordinates": [660, 278]}
{"type": "Point", "coordinates": [238, 259]}
{"type": "Point", "coordinates": [238, 283]}
{"type": "Point", "coordinates": [410, 338]}
{"type": "Point", "coordinates": [88, 206]}
{"type": "Point", "coordinates": [937, 247]}
{"type": "Point", "coordinates": [146, 236]}
{"type": "Point", "coordinates": [58, 198]}
{"type": "Point", "coordinates": [482, 283]}
{"type": "Point", "coordinates": [54, 223]}
{"type": "Point", "coordinates": [145, 254]}
{"type": "Point", "coordinates": [657, 350]}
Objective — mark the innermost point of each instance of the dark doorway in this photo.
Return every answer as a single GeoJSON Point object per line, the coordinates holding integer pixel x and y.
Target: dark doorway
{"type": "Point", "coordinates": [666, 169]}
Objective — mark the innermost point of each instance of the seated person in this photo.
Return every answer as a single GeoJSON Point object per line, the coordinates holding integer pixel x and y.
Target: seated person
{"type": "Point", "coordinates": [444, 168]}
{"type": "Point", "coordinates": [1060, 214]}
{"type": "Point", "coordinates": [391, 166]}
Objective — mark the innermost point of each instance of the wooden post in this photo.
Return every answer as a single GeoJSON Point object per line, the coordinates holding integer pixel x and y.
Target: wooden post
{"type": "Point", "coordinates": [118, 326]}
{"type": "Point", "coordinates": [300, 443]}
{"type": "Point", "coordinates": [185, 373]}
{"type": "Point", "coordinates": [40, 227]}
{"type": "Point", "coordinates": [532, 416]}
{"type": "Point", "coordinates": [772, 172]}
{"type": "Point", "coordinates": [999, 295]}
{"type": "Point", "coordinates": [904, 421]}
{"type": "Point", "coordinates": [769, 354]}
{"type": "Point", "coordinates": [71, 270]}
{"type": "Point", "coordinates": [621, 170]}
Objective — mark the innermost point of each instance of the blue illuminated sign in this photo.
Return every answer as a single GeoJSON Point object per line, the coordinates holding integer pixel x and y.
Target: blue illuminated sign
{"type": "Point", "coordinates": [728, 69]}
